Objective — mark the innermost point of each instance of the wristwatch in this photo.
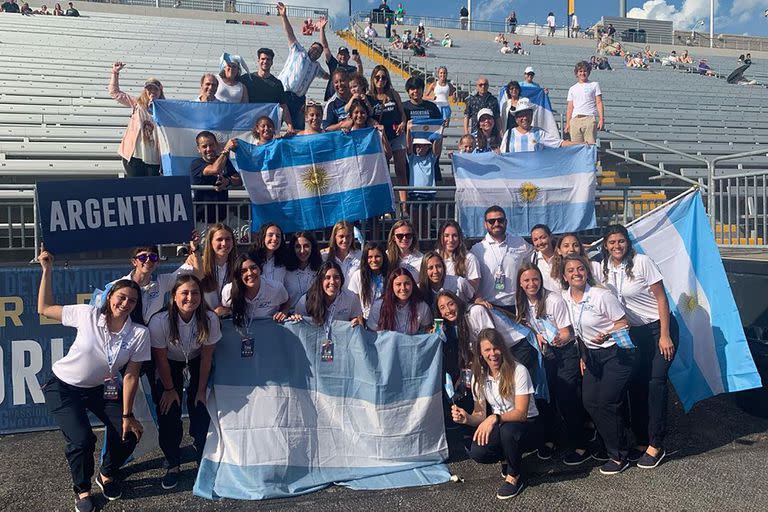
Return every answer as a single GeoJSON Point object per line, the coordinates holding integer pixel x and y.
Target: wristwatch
{"type": "Point", "coordinates": [129, 415]}
{"type": "Point", "coordinates": [498, 419]}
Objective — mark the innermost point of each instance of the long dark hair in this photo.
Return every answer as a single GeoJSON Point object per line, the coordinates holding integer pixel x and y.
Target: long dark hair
{"type": "Point", "coordinates": [315, 258]}
{"type": "Point", "coordinates": [201, 313]}
{"type": "Point", "coordinates": [316, 306]}
{"type": "Point", "coordinates": [137, 315]}
{"type": "Point", "coordinates": [260, 248]}
{"type": "Point", "coordinates": [629, 256]}
{"type": "Point", "coordinates": [587, 268]}
{"type": "Point", "coordinates": [425, 285]}
{"type": "Point", "coordinates": [546, 230]}
{"type": "Point", "coordinates": [493, 141]}
{"type": "Point", "coordinates": [366, 280]}
{"type": "Point", "coordinates": [459, 256]}
{"type": "Point", "coordinates": [557, 263]}
{"type": "Point", "coordinates": [209, 282]}
{"type": "Point", "coordinates": [521, 299]}
{"type": "Point", "coordinates": [463, 332]}
{"type": "Point", "coordinates": [389, 302]}
{"type": "Point", "coordinates": [237, 296]}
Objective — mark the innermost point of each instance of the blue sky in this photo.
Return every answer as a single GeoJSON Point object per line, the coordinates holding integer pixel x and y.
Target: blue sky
{"type": "Point", "coordinates": [731, 16]}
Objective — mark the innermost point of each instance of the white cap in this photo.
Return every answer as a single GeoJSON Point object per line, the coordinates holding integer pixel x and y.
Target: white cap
{"type": "Point", "coordinates": [485, 112]}
{"type": "Point", "coordinates": [524, 104]}
{"type": "Point", "coordinates": [529, 69]}
{"type": "Point", "coordinates": [421, 140]}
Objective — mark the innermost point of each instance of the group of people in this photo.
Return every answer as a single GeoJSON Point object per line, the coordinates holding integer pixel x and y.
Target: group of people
{"type": "Point", "coordinates": [516, 49]}
{"type": "Point", "coordinates": [11, 6]}
{"type": "Point", "coordinates": [515, 314]}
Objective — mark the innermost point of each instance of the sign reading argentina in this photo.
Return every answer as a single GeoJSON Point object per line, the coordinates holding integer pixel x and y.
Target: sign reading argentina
{"type": "Point", "coordinates": [83, 215]}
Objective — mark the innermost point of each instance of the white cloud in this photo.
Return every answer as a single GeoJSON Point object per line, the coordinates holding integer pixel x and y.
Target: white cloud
{"type": "Point", "coordinates": [490, 9]}
{"type": "Point", "coordinates": [683, 18]}
{"type": "Point", "coordinates": [336, 8]}
{"type": "Point", "coordinates": [743, 11]}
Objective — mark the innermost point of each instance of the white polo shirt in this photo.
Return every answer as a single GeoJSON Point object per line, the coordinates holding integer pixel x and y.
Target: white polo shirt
{"type": "Point", "coordinates": [459, 286]}
{"type": "Point", "coordinates": [153, 294]}
{"type": "Point", "coordinates": [584, 98]}
{"type": "Point", "coordinates": [500, 404]}
{"type": "Point", "coordinates": [213, 298]}
{"type": "Point", "coordinates": [471, 266]}
{"type": "Point", "coordinates": [348, 265]}
{"type": "Point", "coordinates": [377, 289]}
{"type": "Point", "coordinates": [187, 348]}
{"type": "Point", "coordinates": [85, 364]}
{"type": "Point", "coordinates": [479, 318]}
{"type": "Point", "coordinates": [402, 318]}
{"type": "Point", "coordinates": [412, 263]}
{"type": "Point", "coordinates": [553, 285]}
{"type": "Point", "coordinates": [271, 272]}
{"type": "Point", "coordinates": [296, 283]}
{"type": "Point", "coordinates": [635, 292]}
{"type": "Point", "coordinates": [595, 314]}
{"type": "Point", "coordinates": [345, 307]}
{"type": "Point", "coordinates": [266, 303]}
{"type": "Point", "coordinates": [509, 254]}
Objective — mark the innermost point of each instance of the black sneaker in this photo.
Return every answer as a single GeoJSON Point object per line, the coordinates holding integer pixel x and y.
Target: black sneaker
{"type": "Point", "coordinates": [508, 490]}
{"type": "Point", "coordinates": [649, 461]}
{"type": "Point", "coordinates": [613, 468]}
{"type": "Point", "coordinates": [529, 451]}
{"type": "Point", "coordinates": [111, 489]}
{"type": "Point", "coordinates": [635, 455]}
{"type": "Point", "coordinates": [600, 455]}
{"type": "Point", "coordinates": [84, 504]}
{"type": "Point", "coordinates": [170, 480]}
{"type": "Point", "coordinates": [545, 452]}
{"type": "Point", "coordinates": [574, 458]}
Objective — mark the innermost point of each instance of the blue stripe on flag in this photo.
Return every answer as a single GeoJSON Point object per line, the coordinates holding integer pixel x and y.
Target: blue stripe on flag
{"type": "Point", "coordinates": [622, 339]}
{"type": "Point", "coordinates": [217, 116]}
{"type": "Point", "coordinates": [561, 217]}
{"type": "Point", "coordinates": [431, 129]}
{"type": "Point", "coordinates": [538, 165]}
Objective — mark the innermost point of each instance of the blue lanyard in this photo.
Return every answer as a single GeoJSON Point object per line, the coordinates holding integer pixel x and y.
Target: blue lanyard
{"type": "Point", "coordinates": [329, 316]}
{"type": "Point", "coordinates": [577, 324]}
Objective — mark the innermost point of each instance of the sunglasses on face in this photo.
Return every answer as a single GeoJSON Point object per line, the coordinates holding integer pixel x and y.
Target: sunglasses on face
{"type": "Point", "coordinates": [496, 220]}
{"type": "Point", "coordinates": [482, 85]}
{"type": "Point", "coordinates": [143, 257]}
{"type": "Point", "coordinates": [403, 236]}
{"type": "Point", "coordinates": [380, 77]}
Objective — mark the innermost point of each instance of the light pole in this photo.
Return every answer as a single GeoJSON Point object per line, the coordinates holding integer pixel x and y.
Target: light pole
{"type": "Point", "coordinates": [711, 23]}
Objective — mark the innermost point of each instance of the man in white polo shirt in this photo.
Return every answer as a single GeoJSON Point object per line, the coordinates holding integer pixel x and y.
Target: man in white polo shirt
{"type": "Point", "coordinates": [500, 256]}
{"type": "Point", "coordinates": [584, 115]}
{"type": "Point", "coordinates": [299, 70]}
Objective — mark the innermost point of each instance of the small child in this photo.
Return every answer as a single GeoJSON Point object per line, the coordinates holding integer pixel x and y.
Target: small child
{"type": "Point", "coordinates": [263, 131]}
{"type": "Point", "coordinates": [313, 119]}
{"type": "Point", "coordinates": [421, 166]}
{"type": "Point", "coordinates": [466, 144]}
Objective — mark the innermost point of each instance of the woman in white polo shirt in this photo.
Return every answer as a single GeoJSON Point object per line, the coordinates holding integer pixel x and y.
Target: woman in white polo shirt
{"type": "Point", "coordinates": [109, 340]}
{"type": "Point", "coordinates": [183, 339]}
{"type": "Point", "coordinates": [249, 296]}
{"type": "Point", "coordinates": [328, 300]}
{"type": "Point", "coordinates": [636, 281]}
{"type": "Point", "coordinates": [544, 256]}
{"type": "Point", "coordinates": [401, 308]}
{"type": "Point", "coordinates": [368, 281]}
{"type": "Point", "coordinates": [269, 247]}
{"type": "Point", "coordinates": [403, 248]}
{"type": "Point", "coordinates": [433, 279]}
{"type": "Point", "coordinates": [302, 263]}
{"type": "Point", "coordinates": [219, 255]}
{"type": "Point", "coordinates": [344, 248]}
{"type": "Point", "coordinates": [599, 320]}
{"type": "Point", "coordinates": [457, 258]}
{"type": "Point", "coordinates": [503, 384]}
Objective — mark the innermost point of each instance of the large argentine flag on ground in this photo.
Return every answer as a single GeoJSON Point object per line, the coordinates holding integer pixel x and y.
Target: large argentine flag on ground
{"type": "Point", "coordinates": [314, 181]}
{"type": "Point", "coordinates": [179, 122]}
{"type": "Point", "coordinates": [713, 356]}
{"type": "Point", "coordinates": [543, 114]}
{"type": "Point", "coordinates": [283, 422]}
{"type": "Point", "coordinates": [555, 187]}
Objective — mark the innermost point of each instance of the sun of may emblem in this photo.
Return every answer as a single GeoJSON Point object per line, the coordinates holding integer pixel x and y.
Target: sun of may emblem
{"type": "Point", "coordinates": [688, 303]}
{"type": "Point", "coordinates": [528, 192]}
{"type": "Point", "coordinates": [315, 179]}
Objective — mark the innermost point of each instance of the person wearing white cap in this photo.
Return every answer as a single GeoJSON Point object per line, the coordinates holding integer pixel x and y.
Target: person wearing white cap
{"type": "Point", "coordinates": [422, 155]}
{"type": "Point", "coordinates": [525, 137]}
{"type": "Point", "coordinates": [231, 89]}
{"type": "Point", "coordinates": [528, 75]}
{"type": "Point", "coordinates": [488, 137]}
{"type": "Point", "coordinates": [341, 61]}
{"type": "Point", "coordinates": [478, 101]}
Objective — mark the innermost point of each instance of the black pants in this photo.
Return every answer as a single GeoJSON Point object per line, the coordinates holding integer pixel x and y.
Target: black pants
{"type": "Point", "coordinates": [604, 389]}
{"type": "Point", "coordinates": [564, 379]}
{"type": "Point", "coordinates": [169, 425]}
{"type": "Point", "coordinates": [295, 106]}
{"type": "Point", "coordinates": [506, 444]}
{"type": "Point", "coordinates": [135, 168]}
{"type": "Point", "coordinates": [648, 385]}
{"type": "Point", "coordinates": [526, 355]}
{"type": "Point", "coordinates": [69, 406]}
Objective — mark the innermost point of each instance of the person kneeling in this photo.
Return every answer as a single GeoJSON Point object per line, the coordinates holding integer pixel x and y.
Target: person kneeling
{"type": "Point", "coordinates": [499, 381]}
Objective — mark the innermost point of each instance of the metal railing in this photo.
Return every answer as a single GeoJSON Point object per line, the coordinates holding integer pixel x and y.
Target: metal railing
{"type": "Point", "coordinates": [233, 6]}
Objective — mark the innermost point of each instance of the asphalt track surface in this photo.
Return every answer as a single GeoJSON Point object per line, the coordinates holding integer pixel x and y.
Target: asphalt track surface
{"type": "Point", "coordinates": [720, 462]}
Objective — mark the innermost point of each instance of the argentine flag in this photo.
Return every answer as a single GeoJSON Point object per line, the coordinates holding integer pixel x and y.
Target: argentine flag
{"type": "Point", "coordinates": [543, 114]}
{"type": "Point", "coordinates": [286, 422]}
{"type": "Point", "coordinates": [430, 129]}
{"type": "Point", "coordinates": [179, 122]}
{"type": "Point", "coordinates": [313, 181]}
{"type": "Point", "coordinates": [713, 356]}
{"type": "Point", "coordinates": [555, 187]}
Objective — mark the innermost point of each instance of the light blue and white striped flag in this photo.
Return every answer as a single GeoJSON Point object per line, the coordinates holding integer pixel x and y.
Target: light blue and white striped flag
{"type": "Point", "coordinates": [314, 181]}
{"type": "Point", "coordinates": [543, 114]}
{"type": "Point", "coordinates": [713, 356]}
{"type": "Point", "coordinates": [285, 422]}
{"type": "Point", "coordinates": [430, 129]}
{"type": "Point", "coordinates": [546, 328]}
{"type": "Point", "coordinates": [555, 187]}
{"type": "Point", "coordinates": [179, 122]}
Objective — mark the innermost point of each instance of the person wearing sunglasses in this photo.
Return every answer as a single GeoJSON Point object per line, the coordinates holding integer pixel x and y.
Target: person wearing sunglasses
{"type": "Point", "coordinates": [500, 256]}
{"type": "Point", "coordinates": [138, 148]}
{"type": "Point", "coordinates": [403, 248]}
{"type": "Point", "coordinates": [388, 111]}
{"type": "Point", "coordinates": [483, 99]}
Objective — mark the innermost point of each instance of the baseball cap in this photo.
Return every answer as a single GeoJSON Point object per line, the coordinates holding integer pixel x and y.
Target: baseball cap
{"type": "Point", "coordinates": [343, 49]}
{"type": "Point", "coordinates": [529, 69]}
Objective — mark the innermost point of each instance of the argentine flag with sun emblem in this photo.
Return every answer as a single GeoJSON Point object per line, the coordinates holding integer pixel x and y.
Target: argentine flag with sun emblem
{"type": "Point", "coordinates": [313, 181]}
{"type": "Point", "coordinates": [713, 356]}
{"type": "Point", "coordinates": [555, 187]}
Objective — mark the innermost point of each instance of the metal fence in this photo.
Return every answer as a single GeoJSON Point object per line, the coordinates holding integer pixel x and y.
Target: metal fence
{"type": "Point", "coordinates": [233, 6]}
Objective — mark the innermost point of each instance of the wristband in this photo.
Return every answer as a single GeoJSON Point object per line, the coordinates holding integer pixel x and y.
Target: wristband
{"type": "Point", "coordinates": [498, 419]}
{"type": "Point", "coordinates": [129, 415]}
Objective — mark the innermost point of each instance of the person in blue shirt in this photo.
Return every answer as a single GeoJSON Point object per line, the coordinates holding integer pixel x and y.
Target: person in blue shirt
{"type": "Point", "coordinates": [422, 156]}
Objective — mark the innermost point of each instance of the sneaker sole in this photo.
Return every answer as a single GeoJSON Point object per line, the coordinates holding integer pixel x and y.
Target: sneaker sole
{"type": "Point", "coordinates": [655, 465]}
{"type": "Point", "coordinates": [519, 490]}
{"type": "Point", "coordinates": [543, 458]}
{"type": "Point", "coordinates": [610, 473]}
{"type": "Point", "coordinates": [579, 463]}
{"type": "Point", "coordinates": [110, 498]}
{"type": "Point", "coordinates": [168, 487]}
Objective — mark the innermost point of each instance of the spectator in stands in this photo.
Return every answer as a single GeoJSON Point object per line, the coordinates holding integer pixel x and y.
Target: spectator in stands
{"type": "Point", "coordinates": [507, 114]}
{"type": "Point", "coordinates": [650, 56]}
{"type": "Point", "coordinates": [263, 131]}
{"type": "Point", "coordinates": [299, 70]}
{"type": "Point", "coordinates": [71, 11]}
{"type": "Point", "coordinates": [517, 48]}
{"type": "Point", "coordinates": [401, 307]}
{"type": "Point", "coordinates": [670, 60]}
{"type": "Point", "coordinates": [57, 11]}
{"type": "Point", "coordinates": [441, 90]}
{"type": "Point", "coordinates": [418, 49]}
{"type": "Point", "coordinates": [478, 101]}
{"type": "Point", "coordinates": [551, 24]}
{"type": "Point", "coordinates": [635, 61]}
{"type": "Point", "coordinates": [447, 42]}
{"type": "Point", "coordinates": [528, 76]}
{"type": "Point", "coordinates": [208, 86]}
{"type": "Point", "coordinates": [603, 64]}
{"type": "Point", "coordinates": [610, 31]}
{"type": "Point", "coordinates": [487, 137]}
{"type": "Point", "coordinates": [397, 43]}
{"type": "Point", "coordinates": [537, 41]}
{"type": "Point", "coordinates": [575, 27]}
{"type": "Point", "coordinates": [388, 111]}
{"type": "Point", "coordinates": [360, 118]}
{"type": "Point", "coordinates": [10, 6]}
{"type": "Point", "coordinates": [423, 156]}
{"type": "Point", "coordinates": [388, 28]}
{"type": "Point", "coordinates": [231, 89]}
{"type": "Point", "coordinates": [399, 14]}
{"type": "Point", "coordinates": [421, 33]}
{"type": "Point", "coordinates": [430, 40]}
{"type": "Point", "coordinates": [417, 107]}
{"type": "Point", "coordinates": [213, 168]}
{"type": "Point", "coordinates": [463, 17]}
{"type": "Point", "coordinates": [685, 58]}
{"type": "Point", "coordinates": [704, 68]}
{"type": "Point", "coordinates": [264, 87]}
{"type": "Point", "coordinates": [341, 61]}
{"type": "Point", "coordinates": [110, 340]}
{"type": "Point", "coordinates": [26, 10]}
{"type": "Point", "coordinates": [512, 22]}
{"type": "Point", "coordinates": [313, 119]}
{"type": "Point", "coordinates": [370, 32]}
{"type": "Point", "coordinates": [467, 144]}
{"type": "Point", "coordinates": [307, 29]}
{"type": "Point", "coordinates": [335, 114]}
{"type": "Point", "coordinates": [43, 10]}
{"type": "Point", "coordinates": [139, 148]}
{"type": "Point", "coordinates": [358, 87]}
{"type": "Point", "coordinates": [505, 49]}
{"type": "Point", "coordinates": [500, 39]}
{"type": "Point", "coordinates": [524, 136]}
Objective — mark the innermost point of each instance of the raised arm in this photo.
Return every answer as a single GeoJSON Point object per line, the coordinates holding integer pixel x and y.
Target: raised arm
{"type": "Point", "coordinates": [321, 23]}
{"type": "Point", "coordinates": [114, 87]}
{"type": "Point", "coordinates": [283, 13]}
{"type": "Point", "coordinates": [45, 304]}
